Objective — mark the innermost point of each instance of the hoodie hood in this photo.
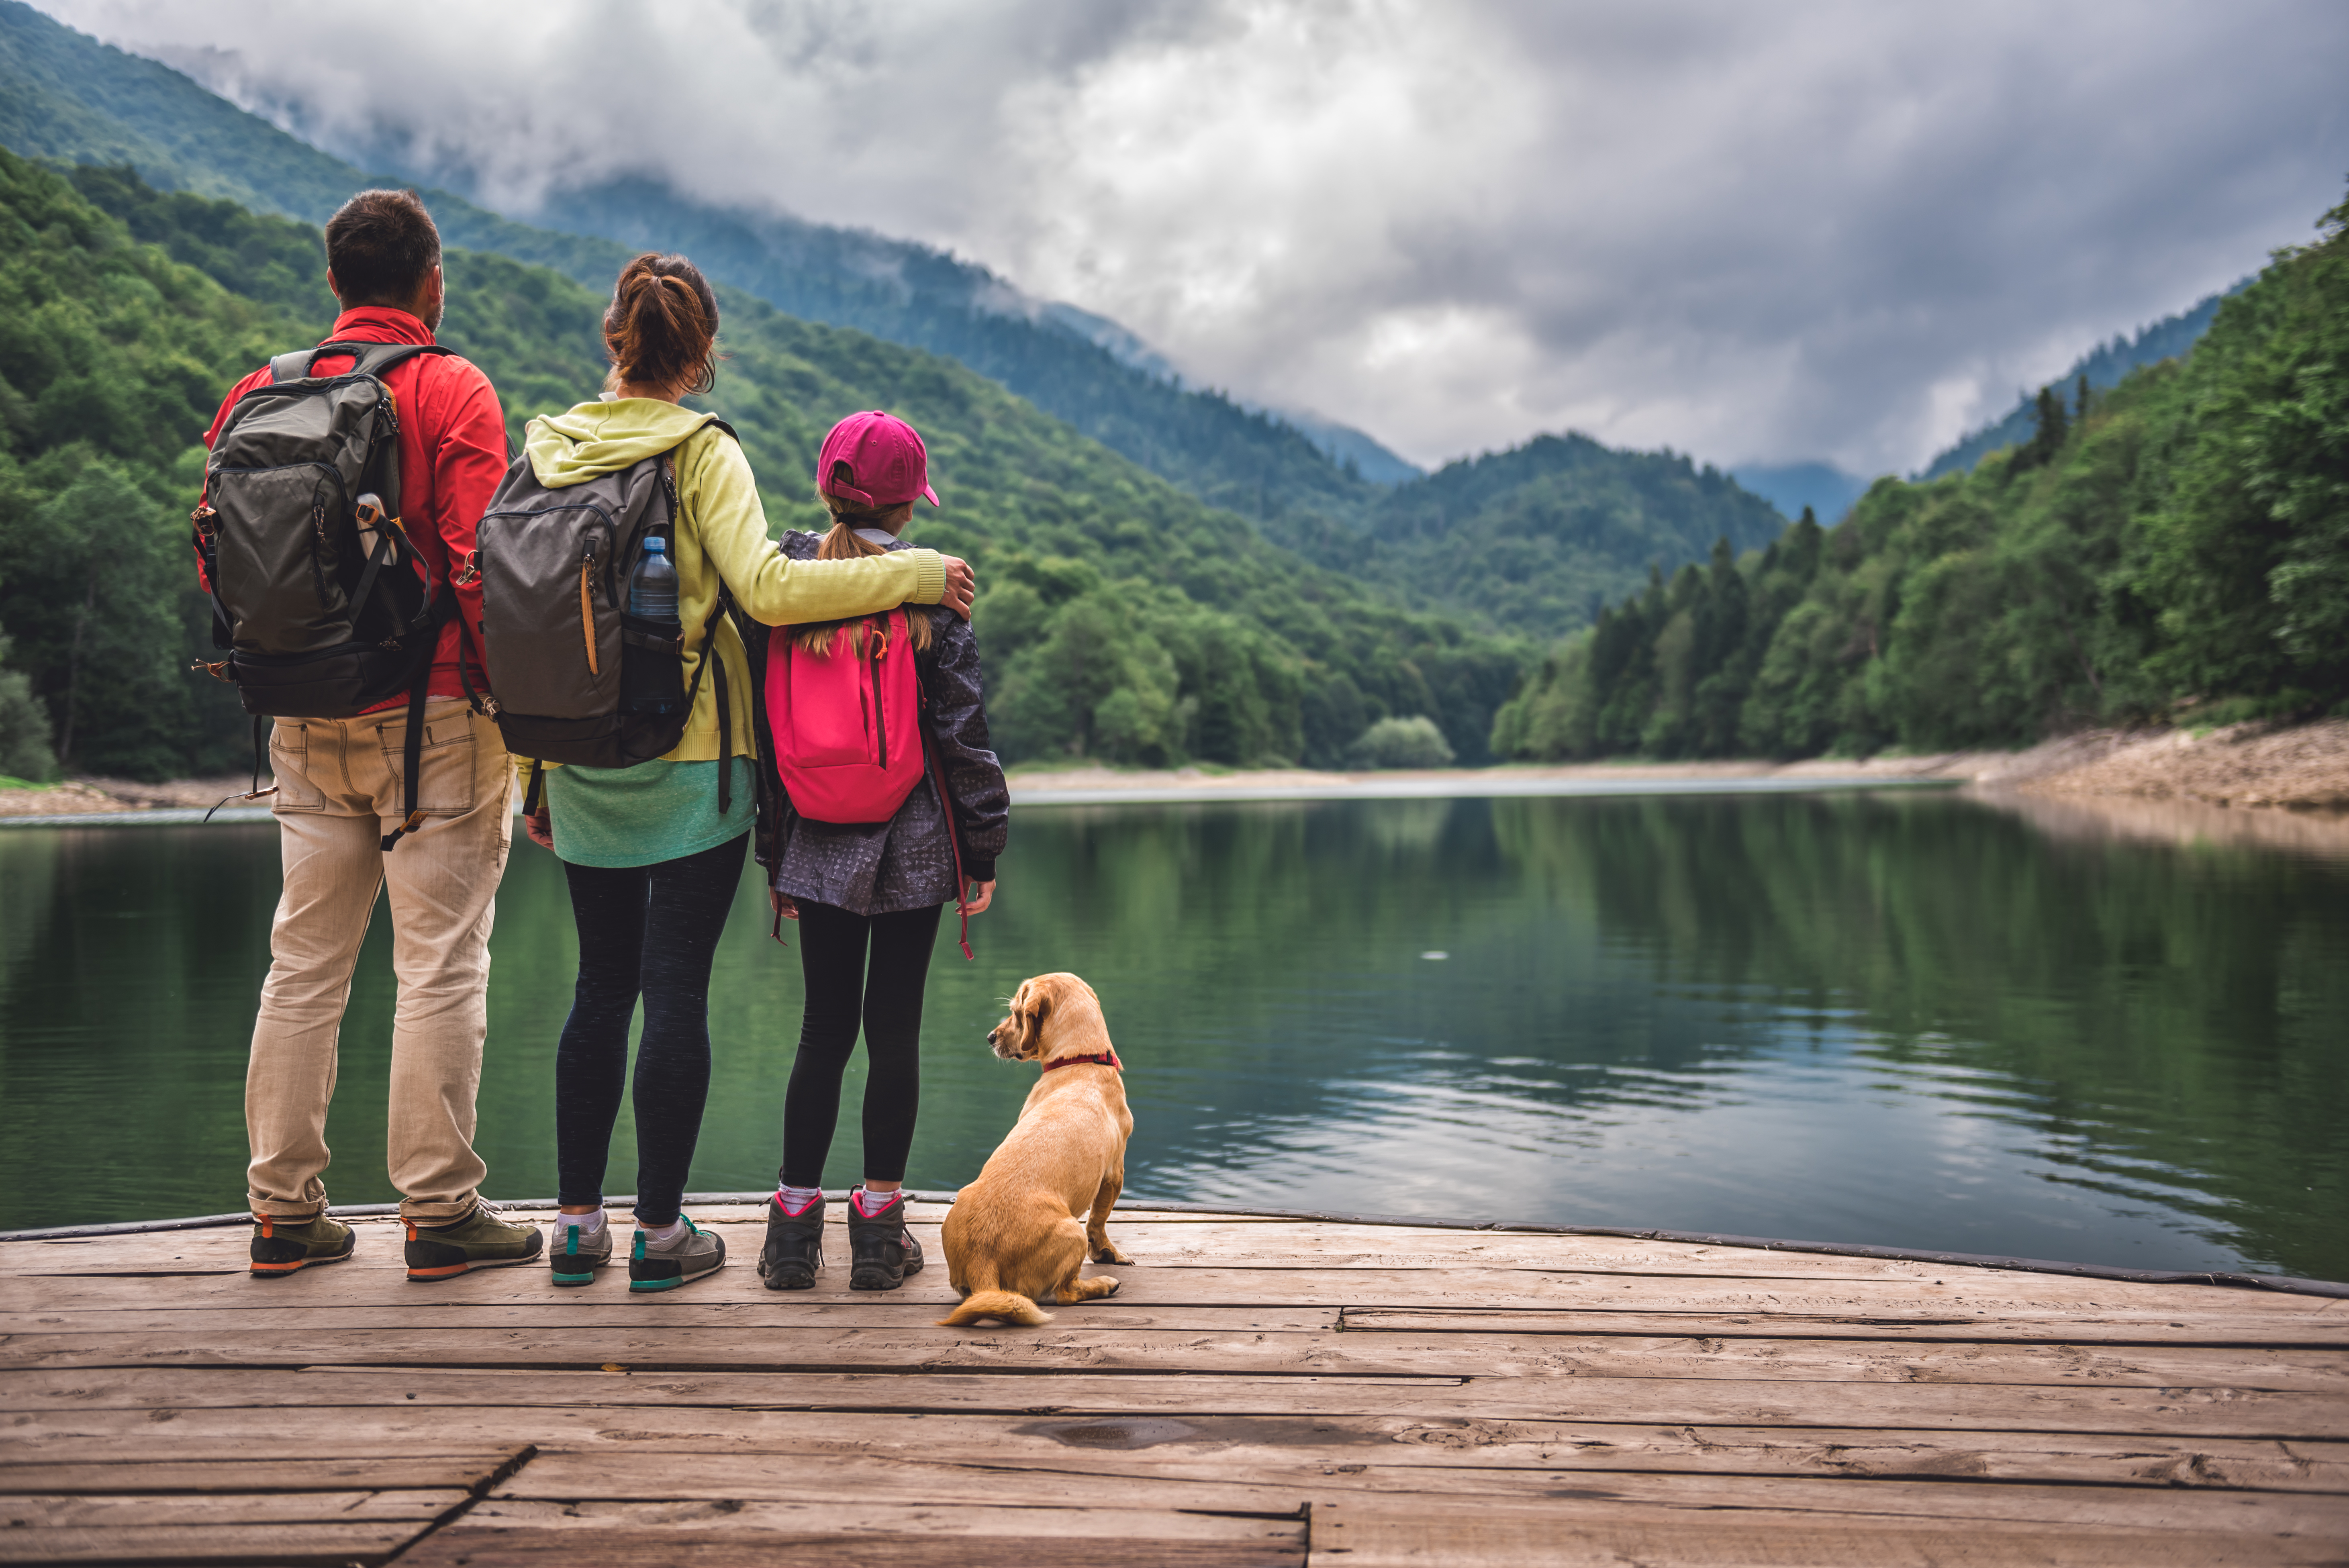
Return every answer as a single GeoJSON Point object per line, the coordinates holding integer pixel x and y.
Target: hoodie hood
{"type": "Point", "coordinates": [597, 438]}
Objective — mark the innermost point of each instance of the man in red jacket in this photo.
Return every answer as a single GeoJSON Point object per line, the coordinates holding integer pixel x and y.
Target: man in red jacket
{"type": "Point", "coordinates": [340, 791]}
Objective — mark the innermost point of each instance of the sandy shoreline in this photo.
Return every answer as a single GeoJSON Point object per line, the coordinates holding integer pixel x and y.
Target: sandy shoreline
{"type": "Point", "coordinates": [2165, 784]}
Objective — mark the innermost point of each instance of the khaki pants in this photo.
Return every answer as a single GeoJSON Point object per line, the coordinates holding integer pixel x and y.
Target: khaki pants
{"type": "Point", "coordinates": [339, 790]}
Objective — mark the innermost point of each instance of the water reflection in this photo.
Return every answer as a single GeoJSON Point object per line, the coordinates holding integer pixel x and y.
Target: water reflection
{"type": "Point", "coordinates": [1917, 1021]}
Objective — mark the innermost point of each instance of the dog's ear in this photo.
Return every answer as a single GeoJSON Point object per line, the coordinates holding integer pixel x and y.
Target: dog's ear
{"type": "Point", "coordinates": [1040, 1008]}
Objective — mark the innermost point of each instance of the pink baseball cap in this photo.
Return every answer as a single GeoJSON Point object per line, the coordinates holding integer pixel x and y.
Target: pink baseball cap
{"type": "Point", "coordinates": [886, 463]}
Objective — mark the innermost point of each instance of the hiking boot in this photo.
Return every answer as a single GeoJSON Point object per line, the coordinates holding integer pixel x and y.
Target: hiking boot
{"type": "Point", "coordinates": [795, 1249]}
{"type": "Point", "coordinates": [686, 1257]}
{"type": "Point", "coordinates": [281, 1245]}
{"type": "Point", "coordinates": [881, 1251]}
{"type": "Point", "coordinates": [573, 1254]}
{"type": "Point", "coordinates": [479, 1241]}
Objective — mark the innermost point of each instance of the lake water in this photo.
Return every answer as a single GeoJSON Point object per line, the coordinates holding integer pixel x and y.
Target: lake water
{"type": "Point", "coordinates": [1909, 1019]}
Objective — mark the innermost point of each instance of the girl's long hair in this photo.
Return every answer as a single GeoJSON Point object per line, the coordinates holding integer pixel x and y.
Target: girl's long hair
{"type": "Point", "coordinates": [843, 544]}
{"type": "Point", "coordinates": [661, 328]}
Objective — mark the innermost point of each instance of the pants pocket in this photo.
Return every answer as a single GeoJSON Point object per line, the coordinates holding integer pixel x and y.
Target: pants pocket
{"type": "Point", "coordinates": [444, 779]}
{"type": "Point", "coordinates": [289, 761]}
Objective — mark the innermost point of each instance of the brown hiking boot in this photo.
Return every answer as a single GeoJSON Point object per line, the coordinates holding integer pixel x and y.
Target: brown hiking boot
{"type": "Point", "coordinates": [281, 1245]}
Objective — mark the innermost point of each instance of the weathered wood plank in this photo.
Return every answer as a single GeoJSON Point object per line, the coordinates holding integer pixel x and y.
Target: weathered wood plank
{"type": "Point", "coordinates": [1104, 1346]}
{"type": "Point", "coordinates": [584, 1309]}
{"type": "Point", "coordinates": [2212, 1412]}
{"type": "Point", "coordinates": [67, 1302]}
{"type": "Point", "coordinates": [237, 1543]}
{"type": "Point", "coordinates": [1964, 1309]}
{"type": "Point", "coordinates": [1408, 1533]}
{"type": "Point", "coordinates": [288, 1469]}
{"type": "Point", "coordinates": [976, 1480]}
{"type": "Point", "coordinates": [653, 1537]}
{"type": "Point", "coordinates": [1257, 1245]}
{"type": "Point", "coordinates": [256, 1505]}
{"type": "Point", "coordinates": [105, 1440]}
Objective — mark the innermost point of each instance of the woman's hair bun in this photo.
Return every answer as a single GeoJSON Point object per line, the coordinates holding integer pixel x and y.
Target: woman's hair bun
{"type": "Point", "coordinates": [662, 327]}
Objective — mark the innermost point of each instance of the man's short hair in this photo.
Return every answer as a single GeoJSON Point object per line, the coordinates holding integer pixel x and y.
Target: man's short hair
{"type": "Point", "coordinates": [382, 245]}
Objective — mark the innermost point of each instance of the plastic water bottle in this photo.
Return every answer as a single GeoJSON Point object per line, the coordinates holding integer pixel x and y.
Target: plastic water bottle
{"type": "Point", "coordinates": [652, 682]}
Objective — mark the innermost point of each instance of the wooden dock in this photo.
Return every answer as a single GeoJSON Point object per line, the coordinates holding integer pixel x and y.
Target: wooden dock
{"type": "Point", "coordinates": [1263, 1391]}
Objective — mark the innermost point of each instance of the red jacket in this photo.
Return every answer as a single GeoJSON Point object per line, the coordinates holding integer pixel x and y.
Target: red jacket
{"type": "Point", "coordinates": [452, 453]}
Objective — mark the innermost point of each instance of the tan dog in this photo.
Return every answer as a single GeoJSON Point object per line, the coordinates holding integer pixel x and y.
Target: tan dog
{"type": "Point", "coordinates": [1012, 1237]}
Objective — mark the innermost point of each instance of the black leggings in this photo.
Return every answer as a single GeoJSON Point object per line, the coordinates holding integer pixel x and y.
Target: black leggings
{"type": "Point", "coordinates": [649, 930]}
{"type": "Point", "coordinates": [842, 993]}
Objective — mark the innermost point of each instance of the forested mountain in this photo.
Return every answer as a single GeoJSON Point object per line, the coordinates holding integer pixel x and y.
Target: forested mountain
{"type": "Point", "coordinates": [65, 96]}
{"type": "Point", "coordinates": [2102, 365]}
{"type": "Point", "coordinates": [1122, 618]}
{"type": "Point", "coordinates": [2177, 549]}
{"type": "Point", "coordinates": [1535, 538]}
{"type": "Point", "coordinates": [1577, 534]}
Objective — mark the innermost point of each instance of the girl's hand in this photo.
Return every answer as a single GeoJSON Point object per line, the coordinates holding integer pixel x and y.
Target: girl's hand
{"type": "Point", "coordinates": [979, 900]}
{"type": "Point", "coordinates": [782, 905]}
{"type": "Point", "coordinates": [540, 826]}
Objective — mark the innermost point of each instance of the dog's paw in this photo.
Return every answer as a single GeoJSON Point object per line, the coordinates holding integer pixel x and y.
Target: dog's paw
{"type": "Point", "coordinates": [1108, 1254]}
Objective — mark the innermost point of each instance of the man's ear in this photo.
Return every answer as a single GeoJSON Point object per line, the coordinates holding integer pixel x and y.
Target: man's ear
{"type": "Point", "coordinates": [333, 287]}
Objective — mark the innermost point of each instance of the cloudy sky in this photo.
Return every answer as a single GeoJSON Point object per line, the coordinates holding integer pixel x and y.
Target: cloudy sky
{"type": "Point", "coordinates": [1805, 229]}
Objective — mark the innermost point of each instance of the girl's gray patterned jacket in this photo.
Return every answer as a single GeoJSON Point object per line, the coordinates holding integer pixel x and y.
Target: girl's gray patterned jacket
{"type": "Point", "coordinates": [906, 863]}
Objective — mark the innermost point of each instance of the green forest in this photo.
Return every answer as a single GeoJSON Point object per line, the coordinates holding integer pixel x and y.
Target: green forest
{"type": "Point", "coordinates": [1566, 523]}
{"type": "Point", "coordinates": [1122, 617]}
{"type": "Point", "coordinates": [2173, 550]}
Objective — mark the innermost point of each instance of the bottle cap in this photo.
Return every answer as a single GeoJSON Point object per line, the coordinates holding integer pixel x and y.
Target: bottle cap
{"type": "Point", "coordinates": [655, 545]}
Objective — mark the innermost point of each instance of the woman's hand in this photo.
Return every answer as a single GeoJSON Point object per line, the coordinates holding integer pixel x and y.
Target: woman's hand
{"type": "Point", "coordinates": [961, 585]}
{"type": "Point", "coordinates": [781, 905]}
{"type": "Point", "coordinates": [979, 900]}
{"type": "Point", "coordinates": [540, 826]}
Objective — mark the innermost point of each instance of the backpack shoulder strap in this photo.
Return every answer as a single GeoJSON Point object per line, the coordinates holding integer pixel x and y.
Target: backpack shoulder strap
{"type": "Point", "coordinates": [373, 359]}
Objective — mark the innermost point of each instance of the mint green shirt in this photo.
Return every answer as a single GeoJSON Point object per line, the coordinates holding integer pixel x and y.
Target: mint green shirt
{"type": "Point", "coordinates": [643, 815]}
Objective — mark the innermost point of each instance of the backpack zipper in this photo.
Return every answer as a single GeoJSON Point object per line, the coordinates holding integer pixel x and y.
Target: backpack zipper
{"type": "Point", "coordinates": [588, 605]}
{"type": "Point", "coordinates": [876, 647]}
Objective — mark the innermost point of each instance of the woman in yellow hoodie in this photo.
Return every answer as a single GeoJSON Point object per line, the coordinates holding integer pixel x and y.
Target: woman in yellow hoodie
{"type": "Point", "coordinates": [652, 856]}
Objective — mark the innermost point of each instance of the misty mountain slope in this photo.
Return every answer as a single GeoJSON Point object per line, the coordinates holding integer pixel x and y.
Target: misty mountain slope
{"type": "Point", "coordinates": [1535, 538]}
{"type": "Point", "coordinates": [1122, 617]}
{"type": "Point", "coordinates": [1586, 534]}
{"type": "Point", "coordinates": [1085, 368]}
{"type": "Point", "coordinates": [65, 96]}
{"type": "Point", "coordinates": [2103, 365]}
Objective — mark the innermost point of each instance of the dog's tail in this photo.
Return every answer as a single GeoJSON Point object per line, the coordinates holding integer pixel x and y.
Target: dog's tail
{"type": "Point", "coordinates": [1003, 1303]}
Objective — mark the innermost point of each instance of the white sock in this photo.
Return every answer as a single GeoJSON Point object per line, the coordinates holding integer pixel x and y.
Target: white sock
{"type": "Point", "coordinates": [795, 1200]}
{"type": "Point", "coordinates": [869, 1202]}
{"type": "Point", "coordinates": [588, 1224]}
{"type": "Point", "coordinates": [662, 1236]}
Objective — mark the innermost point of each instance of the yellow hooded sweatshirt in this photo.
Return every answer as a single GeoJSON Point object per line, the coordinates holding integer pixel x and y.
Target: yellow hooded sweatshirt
{"type": "Point", "coordinates": [721, 534]}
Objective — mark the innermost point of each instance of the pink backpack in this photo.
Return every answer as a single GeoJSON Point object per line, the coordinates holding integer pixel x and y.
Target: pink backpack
{"type": "Point", "coordinates": [847, 722]}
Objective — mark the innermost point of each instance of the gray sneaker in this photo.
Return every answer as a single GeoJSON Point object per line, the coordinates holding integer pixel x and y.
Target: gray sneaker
{"type": "Point", "coordinates": [573, 1254]}
{"type": "Point", "coordinates": [687, 1256]}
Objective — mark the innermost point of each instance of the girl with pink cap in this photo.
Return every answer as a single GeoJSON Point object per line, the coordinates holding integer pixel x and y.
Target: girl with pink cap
{"type": "Point", "coordinates": [867, 894]}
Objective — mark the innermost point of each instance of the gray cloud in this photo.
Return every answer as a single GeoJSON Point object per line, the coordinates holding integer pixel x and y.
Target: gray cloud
{"type": "Point", "coordinates": [1841, 230]}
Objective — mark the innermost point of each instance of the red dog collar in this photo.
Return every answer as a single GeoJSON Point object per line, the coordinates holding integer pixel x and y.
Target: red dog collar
{"type": "Point", "coordinates": [1107, 1060]}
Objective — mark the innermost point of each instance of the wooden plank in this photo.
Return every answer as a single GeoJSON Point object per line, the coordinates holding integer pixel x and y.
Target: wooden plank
{"type": "Point", "coordinates": [75, 1301]}
{"type": "Point", "coordinates": [1207, 1446]}
{"type": "Point", "coordinates": [1410, 1534]}
{"type": "Point", "coordinates": [1091, 1541]}
{"type": "Point", "coordinates": [1942, 1311]}
{"type": "Point", "coordinates": [287, 1470]}
{"type": "Point", "coordinates": [2202, 1412]}
{"type": "Point", "coordinates": [617, 1309]}
{"type": "Point", "coordinates": [976, 1480]}
{"type": "Point", "coordinates": [1261, 1246]}
{"type": "Point", "coordinates": [236, 1543]}
{"type": "Point", "coordinates": [256, 1505]}
{"type": "Point", "coordinates": [1105, 1346]}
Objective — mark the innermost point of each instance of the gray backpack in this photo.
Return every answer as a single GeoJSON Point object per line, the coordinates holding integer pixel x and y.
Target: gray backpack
{"type": "Point", "coordinates": [324, 606]}
{"type": "Point", "coordinates": [554, 565]}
